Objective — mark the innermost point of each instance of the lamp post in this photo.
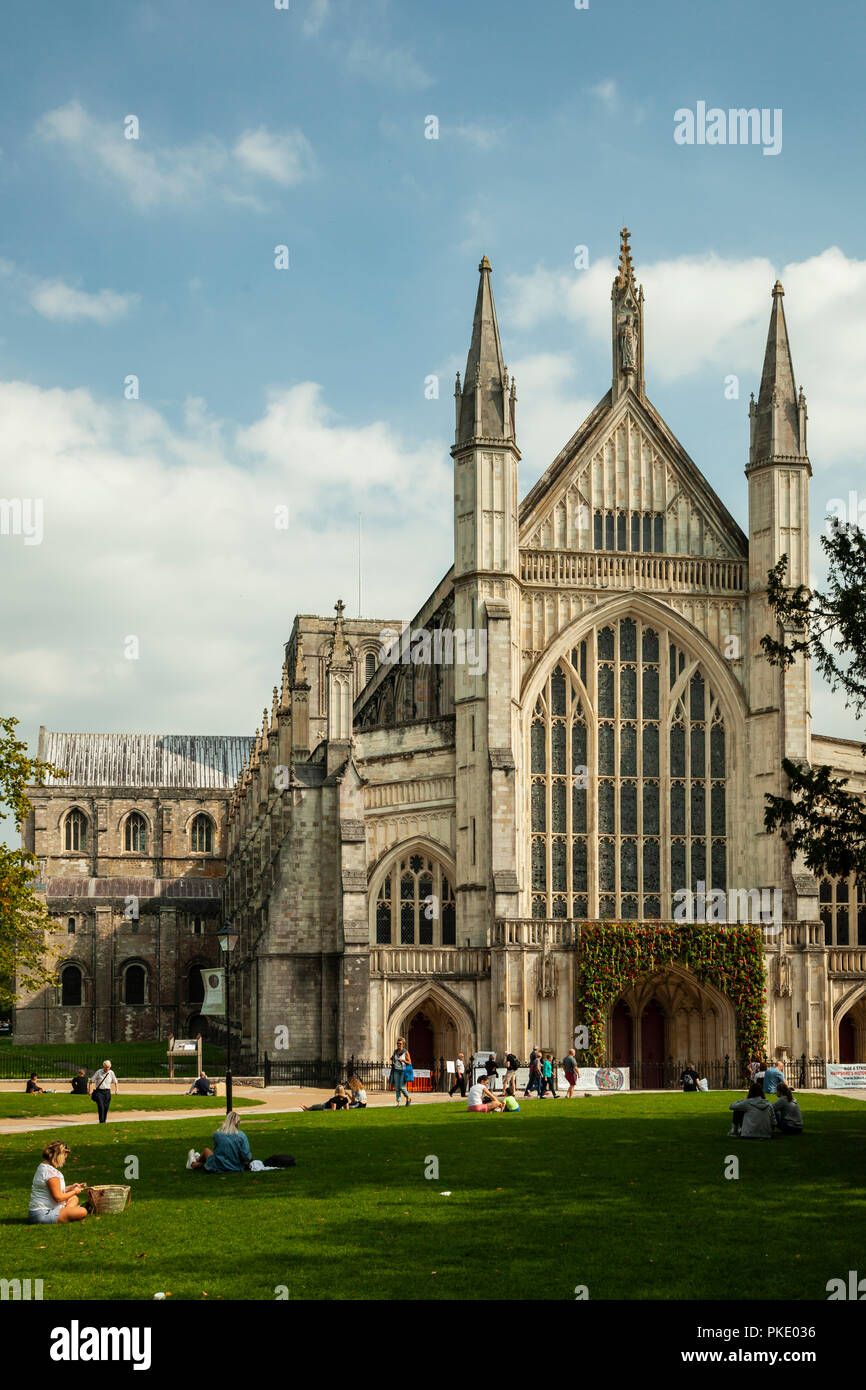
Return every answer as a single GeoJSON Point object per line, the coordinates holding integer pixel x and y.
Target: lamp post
{"type": "Point", "coordinates": [228, 939]}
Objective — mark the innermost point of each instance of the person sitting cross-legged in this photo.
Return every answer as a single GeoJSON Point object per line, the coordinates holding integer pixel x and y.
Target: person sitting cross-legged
{"type": "Point", "coordinates": [481, 1099]}
{"type": "Point", "coordinates": [754, 1117]}
{"type": "Point", "coordinates": [202, 1086]}
{"type": "Point", "coordinates": [51, 1201]}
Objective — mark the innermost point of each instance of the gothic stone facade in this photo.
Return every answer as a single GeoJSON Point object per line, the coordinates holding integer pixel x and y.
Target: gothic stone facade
{"type": "Point", "coordinates": [578, 725]}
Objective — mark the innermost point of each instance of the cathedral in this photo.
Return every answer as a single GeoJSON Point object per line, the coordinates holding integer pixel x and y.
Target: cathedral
{"type": "Point", "coordinates": [577, 726]}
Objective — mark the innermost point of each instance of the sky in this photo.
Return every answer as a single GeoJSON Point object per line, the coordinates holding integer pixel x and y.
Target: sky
{"type": "Point", "coordinates": [168, 391]}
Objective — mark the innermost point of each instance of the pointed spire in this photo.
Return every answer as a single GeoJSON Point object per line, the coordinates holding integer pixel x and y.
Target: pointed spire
{"type": "Point", "coordinates": [285, 697]}
{"type": "Point", "coordinates": [627, 324]}
{"type": "Point", "coordinates": [300, 666]}
{"type": "Point", "coordinates": [482, 410]}
{"type": "Point", "coordinates": [257, 749]}
{"type": "Point", "coordinates": [776, 424]}
{"type": "Point", "coordinates": [275, 705]}
{"type": "Point", "coordinates": [340, 657]}
{"type": "Point", "coordinates": [265, 739]}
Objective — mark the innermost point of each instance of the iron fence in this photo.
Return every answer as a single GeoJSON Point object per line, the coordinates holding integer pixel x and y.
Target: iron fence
{"type": "Point", "coordinates": [52, 1063]}
{"type": "Point", "coordinates": [722, 1074]}
{"type": "Point", "coordinates": [317, 1073]}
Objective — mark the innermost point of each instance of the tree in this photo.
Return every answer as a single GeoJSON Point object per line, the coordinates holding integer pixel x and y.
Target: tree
{"type": "Point", "coordinates": [24, 920]}
{"type": "Point", "coordinates": [819, 819]}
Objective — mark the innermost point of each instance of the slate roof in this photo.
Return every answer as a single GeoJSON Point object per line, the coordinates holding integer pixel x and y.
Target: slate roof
{"type": "Point", "coordinates": [196, 888]}
{"type": "Point", "coordinates": [192, 761]}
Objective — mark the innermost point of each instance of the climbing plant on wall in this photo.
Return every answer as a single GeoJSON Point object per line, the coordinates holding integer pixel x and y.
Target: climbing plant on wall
{"type": "Point", "coordinates": [731, 958]}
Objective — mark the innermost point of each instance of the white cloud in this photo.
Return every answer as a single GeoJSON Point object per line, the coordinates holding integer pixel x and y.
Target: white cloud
{"type": "Point", "coordinates": [316, 17]}
{"type": "Point", "coordinates": [287, 159]}
{"type": "Point", "coordinates": [55, 300]}
{"type": "Point", "coordinates": [168, 534]}
{"type": "Point", "coordinates": [482, 137]}
{"type": "Point", "coordinates": [712, 313]}
{"type": "Point", "coordinates": [179, 174]}
{"type": "Point", "coordinates": [607, 93]}
{"type": "Point", "coordinates": [391, 67]}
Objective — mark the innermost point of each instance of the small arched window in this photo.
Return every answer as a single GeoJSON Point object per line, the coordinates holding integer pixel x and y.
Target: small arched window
{"type": "Point", "coordinates": [71, 986]}
{"type": "Point", "coordinates": [198, 926]}
{"type": "Point", "coordinates": [201, 835]}
{"type": "Point", "coordinates": [70, 925]}
{"type": "Point", "coordinates": [135, 834]}
{"type": "Point", "coordinates": [134, 984]}
{"type": "Point", "coordinates": [370, 666]}
{"type": "Point", "coordinates": [76, 831]}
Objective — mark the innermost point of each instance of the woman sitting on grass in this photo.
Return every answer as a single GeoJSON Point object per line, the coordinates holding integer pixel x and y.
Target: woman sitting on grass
{"type": "Point", "coordinates": [231, 1149]}
{"type": "Point", "coordinates": [787, 1111]}
{"type": "Point", "coordinates": [357, 1095]}
{"type": "Point", "coordinates": [50, 1199]}
{"type": "Point", "coordinates": [33, 1088]}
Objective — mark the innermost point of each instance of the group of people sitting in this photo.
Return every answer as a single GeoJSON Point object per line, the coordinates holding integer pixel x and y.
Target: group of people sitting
{"type": "Point", "coordinates": [481, 1099]}
{"type": "Point", "coordinates": [202, 1086]}
{"type": "Point", "coordinates": [542, 1073]}
{"type": "Point", "coordinates": [351, 1097]}
{"type": "Point", "coordinates": [759, 1117]}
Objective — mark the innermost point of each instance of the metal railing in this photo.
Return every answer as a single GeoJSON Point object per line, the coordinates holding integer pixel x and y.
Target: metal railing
{"type": "Point", "coordinates": [722, 1074]}
{"type": "Point", "coordinates": [316, 1074]}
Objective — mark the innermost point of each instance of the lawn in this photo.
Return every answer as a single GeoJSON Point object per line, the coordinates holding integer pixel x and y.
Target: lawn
{"type": "Point", "coordinates": [16, 1105]}
{"type": "Point", "coordinates": [623, 1194]}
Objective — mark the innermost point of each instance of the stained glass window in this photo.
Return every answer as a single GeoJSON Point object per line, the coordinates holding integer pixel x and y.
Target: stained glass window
{"type": "Point", "coordinates": [843, 911]}
{"type": "Point", "coordinates": [424, 913]}
{"type": "Point", "coordinates": [656, 758]}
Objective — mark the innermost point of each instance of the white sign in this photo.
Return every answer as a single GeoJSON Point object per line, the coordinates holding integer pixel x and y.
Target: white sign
{"type": "Point", "coordinates": [214, 980]}
{"type": "Point", "coordinates": [842, 1074]}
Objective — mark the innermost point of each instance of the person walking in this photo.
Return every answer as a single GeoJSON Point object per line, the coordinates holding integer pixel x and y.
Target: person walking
{"type": "Point", "coordinates": [101, 1083]}
{"type": "Point", "coordinates": [459, 1082]}
{"type": "Point", "coordinates": [547, 1078]}
{"type": "Point", "coordinates": [569, 1066]}
{"type": "Point", "coordinates": [511, 1068]}
{"type": "Point", "coordinates": [400, 1060]}
{"type": "Point", "coordinates": [535, 1076]}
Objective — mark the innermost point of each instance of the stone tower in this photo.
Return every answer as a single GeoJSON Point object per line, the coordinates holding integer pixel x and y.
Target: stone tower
{"type": "Point", "coordinates": [778, 473]}
{"type": "Point", "coordinates": [486, 610]}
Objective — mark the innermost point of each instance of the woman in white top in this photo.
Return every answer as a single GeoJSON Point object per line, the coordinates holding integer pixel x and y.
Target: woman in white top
{"type": "Point", "coordinates": [50, 1199]}
{"type": "Point", "coordinates": [358, 1095]}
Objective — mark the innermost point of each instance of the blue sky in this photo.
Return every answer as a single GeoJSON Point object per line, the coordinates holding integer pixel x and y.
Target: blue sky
{"type": "Point", "coordinates": [305, 127]}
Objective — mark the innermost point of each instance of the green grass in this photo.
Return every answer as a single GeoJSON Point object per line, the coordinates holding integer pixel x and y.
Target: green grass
{"type": "Point", "coordinates": [15, 1105]}
{"type": "Point", "coordinates": [129, 1059]}
{"type": "Point", "coordinates": [625, 1194]}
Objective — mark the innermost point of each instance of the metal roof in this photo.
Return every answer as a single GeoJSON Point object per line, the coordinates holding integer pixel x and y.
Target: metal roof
{"type": "Point", "coordinates": [197, 888]}
{"type": "Point", "coordinates": [193, 761]}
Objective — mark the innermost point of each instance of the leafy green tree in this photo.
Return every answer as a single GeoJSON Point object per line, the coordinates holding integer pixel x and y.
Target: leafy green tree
{"type": "Point", "coordinates": [24, 920]}
{"type": "Point", "coordinates": [819, 818]}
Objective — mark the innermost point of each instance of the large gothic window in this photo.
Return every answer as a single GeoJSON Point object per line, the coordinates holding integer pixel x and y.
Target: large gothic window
{"type": "Point", "coordinates": [627, 766]}
{"type": "Point", "coordinates": [843, 911]}
{"type": "Point", "coordinates": [201, 835]}
{"type": "Point", "coordinates": [135, 834]}
{"type": "Point", "coordinates": [76, 831]}
{"type": "Point", "coordinates": [415, 905]}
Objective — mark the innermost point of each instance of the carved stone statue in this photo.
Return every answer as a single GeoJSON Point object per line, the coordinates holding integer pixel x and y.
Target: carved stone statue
{"type": "Point", "coordinates": [547, 973]}
{"type": "Point", "coordinates": [628, 344]}
{"type": "Point", "coordinates": [783, 975]}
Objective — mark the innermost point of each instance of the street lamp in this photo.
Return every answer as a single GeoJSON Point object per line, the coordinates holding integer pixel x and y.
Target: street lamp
{"type": "Point", "coordinates": [228, 939]}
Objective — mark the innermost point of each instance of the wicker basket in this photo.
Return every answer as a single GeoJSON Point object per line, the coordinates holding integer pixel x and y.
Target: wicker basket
{"type": "Point", "coordinates": [109, 1199]}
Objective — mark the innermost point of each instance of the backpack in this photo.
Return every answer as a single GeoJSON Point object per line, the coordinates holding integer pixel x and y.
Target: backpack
{"type": "Point", "coordinates": [280, 1161]}
{"type": "Point", "coordinates": [512, 1060]}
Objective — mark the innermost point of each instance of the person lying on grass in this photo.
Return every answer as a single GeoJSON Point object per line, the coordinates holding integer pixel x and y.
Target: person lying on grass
{"type": "Point", "coordinates": [754, 1117]}
{"type": "Point", "coordinates": [51, 1201]}
{"type": "Point", "coordinates": [231, 1149]}
{"type": "Point", "coordinates": [481, 1098]}
{"type": "Point", "coordinates": [338, 1101]}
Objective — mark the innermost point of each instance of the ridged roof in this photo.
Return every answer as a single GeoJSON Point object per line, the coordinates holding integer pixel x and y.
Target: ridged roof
{"type": "Point", "coordinates": [193, 761]}
{"type": "Point", "coordinates": [197, 888]}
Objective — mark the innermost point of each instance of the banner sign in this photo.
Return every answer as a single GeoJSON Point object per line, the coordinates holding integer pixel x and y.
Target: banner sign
{"type": "Point", "coordinates": [842, 1074]}
{"type": "Point", "coordinates": [214, 981]}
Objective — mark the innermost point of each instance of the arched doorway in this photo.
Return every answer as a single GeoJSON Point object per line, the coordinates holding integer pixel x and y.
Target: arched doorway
{"type": "Point", "coordinates": [419, 1040]}
{"type": "Point", "coordinates": [652, 1046]}
{"type": "Point", "coordinates": [621, 1036]}
{"type": "Point", "coordinates": [847, 1040]}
